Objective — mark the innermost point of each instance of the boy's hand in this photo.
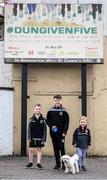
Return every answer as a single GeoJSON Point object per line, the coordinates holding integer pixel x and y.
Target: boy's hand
{"type": "Point", "coordinates": [63, 134]}
{"type": "Point", "coordinates": [29, 142]}
{"type": "Point", "coordinates": [53, 126]}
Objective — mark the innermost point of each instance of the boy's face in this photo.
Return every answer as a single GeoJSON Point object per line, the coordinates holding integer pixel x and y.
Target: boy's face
{"type": "Point", "coordinates": [37, 110]}
{"type": "Point", "coordinates": [83, 122]}
{"type": "Point", "coordinates": [57, 102]}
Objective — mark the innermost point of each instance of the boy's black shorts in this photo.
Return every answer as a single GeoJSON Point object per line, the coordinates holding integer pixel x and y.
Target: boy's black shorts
{"type": "Point", "coordinates": [36, 143]}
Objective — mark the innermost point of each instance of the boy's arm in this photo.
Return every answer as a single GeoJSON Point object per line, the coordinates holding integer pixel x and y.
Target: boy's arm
{"type": "Point", "coordinates": [89, 138]}
{"type": "Point", "coordinates": [44, 131]}
{"type": "Point", "coordinates": [66, 125]}
{"type": "Point", "coordinates": [29, 132]}
{"type": "Point", "coordinates": [74, 137]}
{"type": "Point", "coordinates": [48, 120]}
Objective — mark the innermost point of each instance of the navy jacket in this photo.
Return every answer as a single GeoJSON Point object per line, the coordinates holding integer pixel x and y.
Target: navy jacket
{"type": "Point", "coordinates": [37, 128]}
{"type": "Point", "coordinates": [58, 116]}
{"type": "Point", "coordinates": [82, 138]}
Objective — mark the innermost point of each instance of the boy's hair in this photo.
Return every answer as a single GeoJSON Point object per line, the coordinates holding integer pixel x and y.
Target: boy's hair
{"type": "Point", "coordinates": [58, 96]}
{"type": "Point", "coordinates": [83, 117]}
{"type": "Point", "coordinates": [39, 105]}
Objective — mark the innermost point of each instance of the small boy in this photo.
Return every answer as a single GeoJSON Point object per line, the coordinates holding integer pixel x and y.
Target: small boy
{"type": "Point", "coordinates": [36, 136]}
{"type": "Point", "coordinates": [82, 141]}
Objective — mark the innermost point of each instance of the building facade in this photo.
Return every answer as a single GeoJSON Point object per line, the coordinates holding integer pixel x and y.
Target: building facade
{"type": "Point", "coordinates": [46, 80]}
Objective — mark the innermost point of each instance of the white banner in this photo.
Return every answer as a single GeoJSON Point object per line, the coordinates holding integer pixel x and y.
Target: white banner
{"type": "Point", "coordinates": [54, 33]}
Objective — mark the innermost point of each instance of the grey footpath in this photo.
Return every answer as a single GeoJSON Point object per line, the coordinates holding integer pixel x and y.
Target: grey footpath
{"type": "Point", "coordinates": [13, 167]}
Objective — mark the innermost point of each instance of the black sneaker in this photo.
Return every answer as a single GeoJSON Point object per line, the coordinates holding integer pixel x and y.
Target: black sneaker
{"type": "Point", "coordinates": [83, 168]}
{"type": "Point", "coordinates": [39, 166]}
{"type": "Point", "coordinates": [57, 167]}
{"type": "Point", "coordinates": [29, 165]}
{"type": "Point", "coordinates": [80, 169]}
{"type": "Point", "coordinates": [62, 168]}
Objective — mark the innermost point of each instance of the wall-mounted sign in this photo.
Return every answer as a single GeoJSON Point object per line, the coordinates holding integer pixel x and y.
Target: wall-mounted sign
{"type": "Point", "coordinates": [50, 32]}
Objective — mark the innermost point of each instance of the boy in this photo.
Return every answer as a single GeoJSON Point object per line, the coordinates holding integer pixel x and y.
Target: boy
{"type": "Point", "coordinates": [82, 140]}
{"type": "Point", "coordinates": [58, 122]}
{"type": "Point", "coordinates": [36, 136]}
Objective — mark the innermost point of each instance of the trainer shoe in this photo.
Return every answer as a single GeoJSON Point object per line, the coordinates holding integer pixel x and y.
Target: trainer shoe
{"type": "Point", "coordinates": [62, 168]}
{"type": "Point", "coordinates": [39, 166]}
{"type": "Point", "coordinates": [29, 165]}
{"type": "Point", "coordinates": [57, 167]}
{"type": "Point", "coordinates": [83, 168]}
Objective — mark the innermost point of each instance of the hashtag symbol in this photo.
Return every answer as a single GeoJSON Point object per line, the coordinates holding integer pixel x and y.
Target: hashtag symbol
{"type": "Point", "coordinates": [10, 29]}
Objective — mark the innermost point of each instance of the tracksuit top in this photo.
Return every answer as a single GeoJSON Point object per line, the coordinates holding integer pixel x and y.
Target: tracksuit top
{"type": "Point", "coordinates": [82, 138]}
{"type": "Point", "coordinates": [37, 128]}
{"type": "Point", "coordinates": [58, 116]}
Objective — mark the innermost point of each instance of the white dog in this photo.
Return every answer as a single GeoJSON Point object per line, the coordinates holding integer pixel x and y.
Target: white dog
{"type": "Point", "coordinates": [71, 163]}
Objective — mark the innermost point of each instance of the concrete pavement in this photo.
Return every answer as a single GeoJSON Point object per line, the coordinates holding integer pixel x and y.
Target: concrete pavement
{"type": "Point", "coordinates": [14, 168]}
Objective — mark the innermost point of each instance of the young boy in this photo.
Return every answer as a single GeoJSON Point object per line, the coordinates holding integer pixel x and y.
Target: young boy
{"type": "Point", "coordinates": [36, 136]}
{"type": "Point", "coordinates": [82, 140]}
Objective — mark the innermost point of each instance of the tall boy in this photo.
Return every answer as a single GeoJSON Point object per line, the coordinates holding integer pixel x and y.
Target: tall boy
{"type": "Point", "coordinates": [58, 122]}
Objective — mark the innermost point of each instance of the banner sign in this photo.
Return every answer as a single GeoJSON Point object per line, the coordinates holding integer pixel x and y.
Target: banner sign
{"type": "Point", "coordinates": [43, 1]}
{"type": "Point", "coordinates": [44, 31]}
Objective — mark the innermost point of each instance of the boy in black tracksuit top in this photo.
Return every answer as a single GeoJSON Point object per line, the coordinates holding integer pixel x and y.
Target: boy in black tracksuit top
{"type": "Point", "coordinates": [58, 122]}
{"type": "Point", "coordinates": [82, 141]}
{"type": "Point", "coordinates": [36, 136]}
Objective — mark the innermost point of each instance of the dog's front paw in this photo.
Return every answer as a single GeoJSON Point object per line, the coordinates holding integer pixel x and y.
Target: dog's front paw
{"type": "Point", "coordinates": [77, 171]}
{"type": "Point", "coordinates": [66, 171]}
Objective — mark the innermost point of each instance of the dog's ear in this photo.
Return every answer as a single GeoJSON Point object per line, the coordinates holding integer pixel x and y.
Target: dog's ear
{"type": "Point", "coordinates": [62, 157]}
{"type": "Point", "coordinates": [67, 159]}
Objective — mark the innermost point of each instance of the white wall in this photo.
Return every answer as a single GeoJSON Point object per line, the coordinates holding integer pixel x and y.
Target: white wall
{"type": "Point", "coordinates": [6, 106]}
{"type": "Point", "coordinates": [6, 122]}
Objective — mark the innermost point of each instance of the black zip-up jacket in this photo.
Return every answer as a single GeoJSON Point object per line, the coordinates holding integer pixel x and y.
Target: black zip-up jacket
{"type": "Point", "coordinates": [37, 128]}
{"type": "Point", "coordinates": [58, 116]}
{"type": "Point", "coordinates": [82, 138]}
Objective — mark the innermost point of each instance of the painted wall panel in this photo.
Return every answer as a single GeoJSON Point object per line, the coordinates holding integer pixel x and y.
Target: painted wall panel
{"type": "Point", "coordinates": [6, 122]}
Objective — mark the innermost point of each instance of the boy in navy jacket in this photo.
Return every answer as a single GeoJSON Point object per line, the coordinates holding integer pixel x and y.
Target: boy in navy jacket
{"type": "Point", "coordinates": [58, 122]}
{"type": "Point", "coordinates": [82, 141]}
{"type": "Point", "coordinates": [36, 136]}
